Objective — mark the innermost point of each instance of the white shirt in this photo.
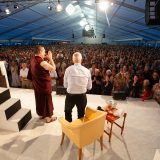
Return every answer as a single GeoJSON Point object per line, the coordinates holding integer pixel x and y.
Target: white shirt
{"type": "Point", "coordinates": [77, 79]}
{"type": "Point", "coordinates": [53, 74]}
{"type": "Point", "coordinates": [24, 73]}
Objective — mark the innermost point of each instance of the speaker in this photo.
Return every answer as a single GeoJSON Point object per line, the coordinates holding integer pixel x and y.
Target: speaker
{"type": "Point", "coordinates": [119, 95]}
{"type": "Point", "coordinates": [60, 90]}
{"type": "Point", "coordinates": [152, 12]}
{"type": "Point", "coordinates": [89, 33]}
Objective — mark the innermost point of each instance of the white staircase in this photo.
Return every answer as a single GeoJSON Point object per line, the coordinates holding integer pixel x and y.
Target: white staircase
{"type": "Point", "coordinates": [12, 116]}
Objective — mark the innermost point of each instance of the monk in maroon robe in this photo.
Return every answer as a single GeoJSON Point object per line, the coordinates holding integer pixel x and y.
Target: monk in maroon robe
{"type": "Point", "coordinates": [41, 81]}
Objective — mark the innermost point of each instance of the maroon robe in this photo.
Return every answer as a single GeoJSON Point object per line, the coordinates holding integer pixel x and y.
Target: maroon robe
{"type": "Point", "coordinates": [42, 86]}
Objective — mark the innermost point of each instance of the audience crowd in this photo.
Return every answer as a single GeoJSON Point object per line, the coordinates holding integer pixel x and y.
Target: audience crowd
{"type": "Point", "coordinates": [135, 70]}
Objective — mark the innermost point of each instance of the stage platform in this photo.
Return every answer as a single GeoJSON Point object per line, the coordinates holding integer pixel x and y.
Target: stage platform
{"type": "Point", "coordinates": [41, 141]}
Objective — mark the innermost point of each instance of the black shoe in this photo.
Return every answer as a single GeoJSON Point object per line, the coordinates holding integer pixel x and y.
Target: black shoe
{"type": "Point", "coordinates": [100, 108]}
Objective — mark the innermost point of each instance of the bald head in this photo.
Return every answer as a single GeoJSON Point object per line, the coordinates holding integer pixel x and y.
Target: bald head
{"type": "Point", "coordinates": [77, 57]}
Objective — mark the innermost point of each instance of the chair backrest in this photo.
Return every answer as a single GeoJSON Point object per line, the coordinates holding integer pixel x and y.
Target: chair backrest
{"type": "Point", "coordinates": [93, 128]}
{"type": "Point", "coordinates": [85, 130]}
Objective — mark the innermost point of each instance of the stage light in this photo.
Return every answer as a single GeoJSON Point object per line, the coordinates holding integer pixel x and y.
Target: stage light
{"type": "Point", "coordinates": [103, 5]}
{"type": "Point", "coordinates": [112, 3]}
{"type": "Point", "coordinates": [70, 9]}
{"type": "Point", "coordinates": [7, 11]}
{"type": "Point", "coordinates": [87, 27]}
{"type": "Point", "coordinates": [16, 6]}
{"type": "Point", "coordinates": [82, 15]}
{"type": "Point", "coordinates": [89, 3]}
{"type": "Point", "coordinates": [49, 7]}
{"type": "Point", "coordinates": [83, 22]}
{"type": "Point", "coordinates": [59, 7]}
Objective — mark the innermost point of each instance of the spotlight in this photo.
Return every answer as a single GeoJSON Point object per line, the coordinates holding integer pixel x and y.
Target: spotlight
{"type": "Point", "coordinates": [59, 7]}
{"type": "Point", "coordinates": [87, 27]}
{"type": "Point", "coordinates": [16, 6]}
{"type": "Point", "coordinates": [89, 3]}
{"type": "Point", "coordinates": [49, 7]}
{"type": "Point", "coordinates": [70, 9]}
{"type": "Point", "coordinates": [103, 5]}
{"type": "Point", "coordinates": [7, 11]}
{"type": "Point", "coordinates": [112, 3]}
{"type": "Point", "coordinates": [83, 22]}
{"type": "Point", "coordinates": [82, 15]}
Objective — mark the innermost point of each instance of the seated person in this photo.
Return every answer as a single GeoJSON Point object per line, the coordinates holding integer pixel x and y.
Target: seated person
{"type": "Point", "coordinates": [96, 83]}
{"type": "Point", "coordinates": [119, 83]}
{"type": "Point", "coordinates": [154, 79]}
{"type": "Point", "coordinates": [107, 86]}
{"type": "Point", "coordinates": [135, 87]}
{"type": "Point", "coordinates": [156, 92]}
{"type": "Point", "coordinates": [146, 93]}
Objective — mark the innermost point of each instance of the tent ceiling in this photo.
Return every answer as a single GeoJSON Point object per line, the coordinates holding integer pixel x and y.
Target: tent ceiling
{"type": "Point", "coordinates": [33, 20]}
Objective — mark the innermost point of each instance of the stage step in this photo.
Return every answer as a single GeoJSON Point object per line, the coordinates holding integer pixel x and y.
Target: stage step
{"type": "Point", "coordinates": [17, 121]}
{"type": "Point", "coordinates": [9, 108]}
{"type": "Point", "coordinates": [4, 94]}
{"type": "Point", "coordinates": [12, 116]}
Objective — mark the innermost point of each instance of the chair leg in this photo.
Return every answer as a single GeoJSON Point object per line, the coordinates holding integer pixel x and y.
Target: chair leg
{"type": "Point", "coordinates": [62, 138]}
{"type": "Point", "coordinates": [125, 114]}
{"type": "Point", "coordinates": [101, 142]}
{"type": "Point", "coordinates": [110, 134]}
{"type": "Point", "coordinates": [79, 153]}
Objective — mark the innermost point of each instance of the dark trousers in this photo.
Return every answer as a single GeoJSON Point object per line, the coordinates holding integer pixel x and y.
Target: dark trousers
{"type": "Point", "coordinates": [80, 100]}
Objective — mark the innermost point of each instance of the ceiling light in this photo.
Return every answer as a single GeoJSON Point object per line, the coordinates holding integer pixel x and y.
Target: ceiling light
{"type": "Point", "coordinates": [70, 9]}
{"type": "Point", "coordinates": [89, 3]}
{"type": "Point", "coordinates": [103, 5]}
{"type": "Point", "coordinates": [7, 11]}
{"type": "Point", "coordinates": [49, 7]}
{"type": "Point", "coordinates": [112, 3]}
{"type": "Point", "coordinates": [82, 15]}
{"type": "Point", "coordinates": [87, 27]}
{"type": "Point", "coordinates": [83, 22]}
{"type": "Point", "coordinates": [59, 7]}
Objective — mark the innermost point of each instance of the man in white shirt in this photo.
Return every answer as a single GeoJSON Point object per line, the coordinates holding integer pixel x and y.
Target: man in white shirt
{"type": "Point", "coordinates": [23, 76]}
{"type": "Point", "coordinates": [77, 80]}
